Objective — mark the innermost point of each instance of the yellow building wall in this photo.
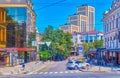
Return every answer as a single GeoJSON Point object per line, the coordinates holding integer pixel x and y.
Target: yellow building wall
{"type": "Point", "coordinates": [2, 28]}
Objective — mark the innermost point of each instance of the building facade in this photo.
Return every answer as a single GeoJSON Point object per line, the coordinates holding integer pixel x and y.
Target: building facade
{"type": "Point", "coordinates": [2, 28]}
{"type": "Point", "coordinates": [20, 22]}
{"type": "Point", "coordinates": [69, 28]}
{"type": "Point", "coordinates": [80, 37]}
{"type": "Point", "coordinates": [84, 19]}
{"type": "Point", "coordinates": [3, 55]}
{"type": "Point", "coordinates": [111, 22]}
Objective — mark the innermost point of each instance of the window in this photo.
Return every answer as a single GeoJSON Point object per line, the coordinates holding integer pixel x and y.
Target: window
{"type": "Point", "coordinates": [117, 22]}
{"type": "Point", "coordinates": [91, 21]}
{"type": "Point", "coordinates": [110, 26]}
{"type": "Point", "coordinates": [74, 22]}
{"type": "Point", "coordinates": [83, 26]}
{"type": "Point", "coordinates": [83, 13]}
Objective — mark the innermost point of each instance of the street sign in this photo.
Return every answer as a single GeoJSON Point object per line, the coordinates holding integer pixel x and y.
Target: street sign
{"type": "Point", "coordinates": [41, 42]}
{"type": "Point", "coordinates": [48, 43]}
{"type": "Point", "coordinates": [34, 43]}
{"type": "Point", "coordinates": [80, 48]}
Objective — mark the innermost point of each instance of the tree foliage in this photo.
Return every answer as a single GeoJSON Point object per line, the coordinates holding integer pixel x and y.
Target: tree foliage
{"type": "Point", "coordinates": [98, 44]}
{"type": "Point", "coordinates": [44, 55]}
{"type": "Point", "coordinates": [92, 45]}
{"type": "Point", "coordinates": [60, 42]}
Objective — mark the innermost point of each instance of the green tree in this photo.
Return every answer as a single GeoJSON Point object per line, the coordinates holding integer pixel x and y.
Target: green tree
{"type": "Point", "coordinates": [85, 48]}
{"type": "Point", "coordinates": [60, 42]}
{"type": "Point", "coordinates": [44, 55]}
{"type": "Point", "coordinates": [92, 45]}
{"type": "Point", "coordinates": [98, 44]}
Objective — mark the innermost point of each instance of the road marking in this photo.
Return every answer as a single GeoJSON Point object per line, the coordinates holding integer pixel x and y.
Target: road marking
{"type": "Point", "coordinates": [46, 73]}
{"type": "Point", "coordinates": [56, 72]}
{"type": "Point", "coordinates": [41, 72]}
{"type": "Point", "coordinates": [71, 72]}
{"type": "Point", "coordinates": [50, 72]}
{"type": "Point", "coordinates": [66, 71]}
{"type": "Point", "coordinates": [61, 72]}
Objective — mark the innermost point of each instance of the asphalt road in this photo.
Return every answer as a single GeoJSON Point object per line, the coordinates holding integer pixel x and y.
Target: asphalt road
{"type": "Point", "coordinates": [68, 75]}
{"type": "Point", "coordinates": [58, 70]}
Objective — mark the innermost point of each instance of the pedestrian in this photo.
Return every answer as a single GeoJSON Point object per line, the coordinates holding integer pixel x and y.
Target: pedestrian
{"type": "Point", "coordinates": [91, 64]}
{"type": "Point", "coordinates": [23, 66]}
{"type": "Point", "coordinates": [95, 61]}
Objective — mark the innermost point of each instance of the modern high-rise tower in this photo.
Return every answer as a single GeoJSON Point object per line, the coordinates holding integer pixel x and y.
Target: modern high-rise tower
{"type": "Point", "coordinates": [84, 19]}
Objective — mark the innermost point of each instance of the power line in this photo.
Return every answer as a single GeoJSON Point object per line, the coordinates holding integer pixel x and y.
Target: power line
{"type": "Point", "coordinates": [52, 4]}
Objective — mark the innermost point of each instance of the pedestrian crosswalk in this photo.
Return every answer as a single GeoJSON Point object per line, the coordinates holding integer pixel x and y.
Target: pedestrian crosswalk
{"type": "Point", "coordinates": [61, 72]}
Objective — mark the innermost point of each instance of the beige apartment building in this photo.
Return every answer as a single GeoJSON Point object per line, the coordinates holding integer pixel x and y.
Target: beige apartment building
{"type": "Point", "coordinates": [84, 20]}
{"type": "Point", "coordinates": [69, 28]}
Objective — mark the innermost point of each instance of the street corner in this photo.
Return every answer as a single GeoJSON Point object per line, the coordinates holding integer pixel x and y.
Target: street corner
{"type": "Point", "coordinates": [36, 70]}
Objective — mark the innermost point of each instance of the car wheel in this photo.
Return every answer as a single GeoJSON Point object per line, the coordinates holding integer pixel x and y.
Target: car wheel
{"type": "Point", "coordinates": [75, 67]}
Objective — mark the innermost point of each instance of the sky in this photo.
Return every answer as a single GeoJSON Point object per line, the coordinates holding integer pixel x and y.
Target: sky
{"type": "Point", "coordinates": [57, 14]}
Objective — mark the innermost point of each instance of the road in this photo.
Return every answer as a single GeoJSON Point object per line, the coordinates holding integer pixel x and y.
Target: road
{"type": "Point", "coordinates": [58, 70]}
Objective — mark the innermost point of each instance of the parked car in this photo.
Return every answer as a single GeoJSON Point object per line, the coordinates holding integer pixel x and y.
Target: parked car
{"type": "Point", "coordinates": [74, 64]}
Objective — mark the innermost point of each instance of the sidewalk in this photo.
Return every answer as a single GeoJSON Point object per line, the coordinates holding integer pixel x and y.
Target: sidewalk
{"type": "Point", "coordinates": [102, 69]}
{"type": "Point", "coordinates": [41, 67]}
{"type": "Point", "coordinates": [17, 69]}
{"type": "Point", "coordinates": [30, 68]}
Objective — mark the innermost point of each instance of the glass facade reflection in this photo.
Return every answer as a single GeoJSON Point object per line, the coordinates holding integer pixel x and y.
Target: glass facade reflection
{"type": "Point", "coordinates": [16, 26]}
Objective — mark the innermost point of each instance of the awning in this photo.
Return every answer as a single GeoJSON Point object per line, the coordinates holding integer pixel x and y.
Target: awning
{"type": "Point", "coordinates": [16, 49]}
{"type": "Point", "coordinates": [2, 49]}
{"type": "Point", "coordinates": [113, 50]}
{"type": "Point", "coordinates": [108, 50]}
{"type": "Point", "coordinates": [25, 49]}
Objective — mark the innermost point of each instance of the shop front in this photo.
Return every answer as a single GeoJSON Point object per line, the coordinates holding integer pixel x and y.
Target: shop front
{"type": "Point", "coordinates": [4, 58]}
{"type": "Point", "coordinates": [110, 57]}
{"type": "Point", "coordinates": [16, 56]}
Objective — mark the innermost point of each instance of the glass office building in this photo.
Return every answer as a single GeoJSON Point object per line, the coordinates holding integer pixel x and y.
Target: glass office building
{"type": "Point", "coordinates": [20, 22]}
{"type": "Point", "coordinates": [16, 26]}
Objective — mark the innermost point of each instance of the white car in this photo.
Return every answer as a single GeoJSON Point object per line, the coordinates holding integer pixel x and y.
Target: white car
{"type": "Point", "coordinates": [74, 64]}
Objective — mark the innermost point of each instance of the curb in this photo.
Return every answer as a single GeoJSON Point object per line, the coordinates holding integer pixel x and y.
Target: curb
{"type": "Point", "coordinates": [39, 68]}
{"type": "Point", "coordinates": [95, 71]}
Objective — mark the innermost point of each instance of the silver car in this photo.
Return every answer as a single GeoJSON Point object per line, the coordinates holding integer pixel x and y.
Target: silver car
{"type": "Point", "coordinates": [74, 64]}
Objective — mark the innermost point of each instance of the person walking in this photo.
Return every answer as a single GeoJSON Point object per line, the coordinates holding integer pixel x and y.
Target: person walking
{"type": "Point", "coordinates": [23, 66]}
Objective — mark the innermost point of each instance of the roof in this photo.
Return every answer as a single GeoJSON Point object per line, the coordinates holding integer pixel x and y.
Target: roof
{"type": "Point", "coordinates": [90, 32]}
